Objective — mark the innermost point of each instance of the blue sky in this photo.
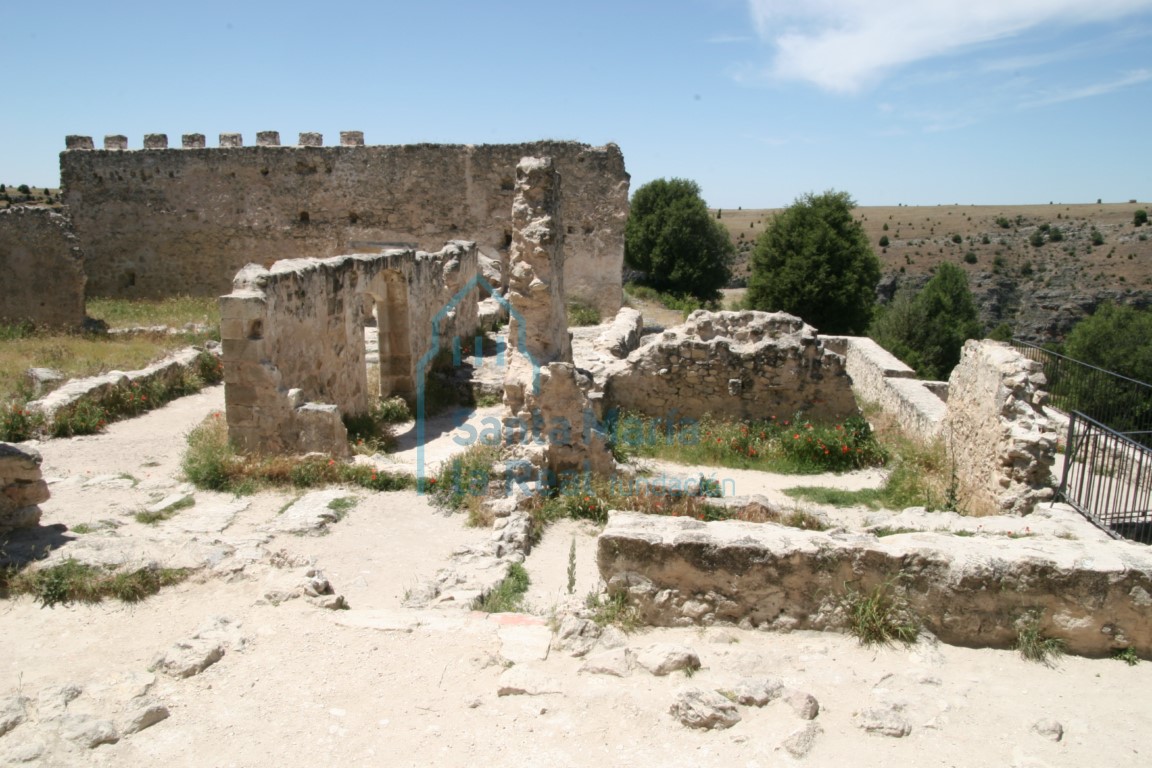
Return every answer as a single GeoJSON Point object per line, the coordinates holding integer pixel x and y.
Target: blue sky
{"type": "Point", "coordinates": [759, 101]}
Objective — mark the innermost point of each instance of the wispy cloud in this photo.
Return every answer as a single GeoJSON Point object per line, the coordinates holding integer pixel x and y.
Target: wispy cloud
{"type": "Point", "coordinates": [847, 45]}
{"type": "Point", "coordinates": [1089, 91]}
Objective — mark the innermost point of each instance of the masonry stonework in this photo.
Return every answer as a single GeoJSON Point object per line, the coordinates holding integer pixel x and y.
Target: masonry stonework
{"type": "Point", "coordinates": [156, 219]}
{"type": "Point", "coordinates": [41, 269]}
{"type": "Point", "coordinates": [999, 439]}
{"type": "Point", "coordinates": [733, 365]}
{"type": "Point", "coordinates": [293, 339]}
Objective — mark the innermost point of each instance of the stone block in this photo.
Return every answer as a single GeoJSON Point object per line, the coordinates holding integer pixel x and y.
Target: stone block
{"type": "Point", "coordinates": [116, 142]}
{"type": "Point", "coordinates": [194, 141]}
{"type": "Point", "coordinates": [351, 138]}
{"type": "Point", "coordinates": [268, 138]}
{"type": "Point", "coordinates": [231, 140]}
{"type": "Point", "coordinates": [155, 141]}
{"type": "Point", "coordinates": [311, 139]}
{"type": "Point", "coordinates": [78, 142]}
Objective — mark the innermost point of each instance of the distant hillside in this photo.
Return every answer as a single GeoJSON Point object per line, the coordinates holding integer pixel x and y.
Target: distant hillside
{"type": "Point", "coordinates": [1033, 266]}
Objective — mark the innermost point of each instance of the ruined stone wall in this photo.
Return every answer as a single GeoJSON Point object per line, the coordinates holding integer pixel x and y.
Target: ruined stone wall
{"type": "Point", "coordinates": [879, 377]}
{"type": "Point", "coordinates": [22, 487]}
{"type": "Point", "coordinates": [1002, 444]}
{"type": "Point", "coordinates": [974, 591]}
{"type": "Point", "coordinates": [735, 365]}
{"type": "Point", "coordinates": [293, 339]}
{"type": "Point", "coordinates": [41, 269]}
{"type": "Point", "coordinates": [158, 221]}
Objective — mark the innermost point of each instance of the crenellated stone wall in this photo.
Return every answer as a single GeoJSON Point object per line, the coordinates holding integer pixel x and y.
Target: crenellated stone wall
{"type": "Point", "coordinates": [293, 339]}
{"type": "Point", "coordinates": [166, 219]}
{"type": "Point", "coordinates": [1000, 441]}
{"type": "Point", "coordinates": [41, 269]}
{"type": "Point", "coordinates": [737, 365]}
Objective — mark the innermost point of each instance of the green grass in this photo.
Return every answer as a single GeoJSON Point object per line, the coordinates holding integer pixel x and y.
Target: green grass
{"type": "Point", "coordinates": [465, 476]}
{"type": "Point", "coordinates": [1033, 645]}
{"type": "Point", "coordinates": [793, 446]}
{"type": "Point", "coordinates": [613, 609]}
{"type": "Point", "coordinates": [879, 617]}
{"type": "Point", "coordinates": [580, 314]}
{"type": "Point", "coordinates": [212, 464]}
{"type": "Point", "coordinates": [175, 312]}
{"type": "Point", "coordinates": [508, 595]}
{"type": "Point", "coordinates": [151, 518]}
{"type": "Point", "coordinates": [918, 476]}
{"type": "Point", "coordinates": [74, 582]}
{"type": "Point", "coordinates": [685, 304]}
{"type": "Point", "coordinates": [342, 506]}
{"type": "Point", "coordinates": [1126, 655]}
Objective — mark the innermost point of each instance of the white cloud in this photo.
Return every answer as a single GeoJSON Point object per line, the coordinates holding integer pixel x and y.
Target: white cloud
{"type": "Point", "coordinates": [846, 45]}
{"type": "Point", "coordinates": [728, 39]}
{"type": "Point", "coordinates": [1088, 91]}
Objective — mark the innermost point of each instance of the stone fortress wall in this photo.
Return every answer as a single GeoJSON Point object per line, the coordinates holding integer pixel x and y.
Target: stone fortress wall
{"type": "Point", "coordinates": [160, 219]}
{"type": "Point", "coordinates": [41, 269]}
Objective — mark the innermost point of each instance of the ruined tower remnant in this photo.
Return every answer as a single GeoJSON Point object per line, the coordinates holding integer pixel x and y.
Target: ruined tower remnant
{"type": "Point", "coordinates": [548, 412]}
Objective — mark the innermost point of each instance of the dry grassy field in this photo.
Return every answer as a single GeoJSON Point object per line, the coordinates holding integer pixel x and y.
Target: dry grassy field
{"type": "Point", "coordinates": [920, 237]}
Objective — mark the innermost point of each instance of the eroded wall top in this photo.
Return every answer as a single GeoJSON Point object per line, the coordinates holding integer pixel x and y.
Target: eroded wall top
{"type": "Point", "coordinates": [161, 220]}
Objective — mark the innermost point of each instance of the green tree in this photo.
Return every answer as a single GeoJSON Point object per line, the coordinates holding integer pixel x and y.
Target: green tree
{"type": "Point", "coordinates": [675, 242]}
{"type": "Point", "coordinates": [1117, 339]}
{"type": "Point", "coordinates": [927, 329]}
{"type": "Point", "coordinates": [1139, 218]}
{"type": "Point", "coordinates": [814, 261]}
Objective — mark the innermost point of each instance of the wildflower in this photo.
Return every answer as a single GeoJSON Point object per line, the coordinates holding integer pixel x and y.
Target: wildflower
{"type": "Point", "coordinates": [844, 449]}
{"type": "Point", "coordinates": [796, 436]}
{"type": "Point", "coordinates": [331, 462]}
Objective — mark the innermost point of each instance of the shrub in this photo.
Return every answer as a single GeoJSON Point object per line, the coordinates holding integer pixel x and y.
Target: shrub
{"type": "Point", "coordinates": [1139, 217]}
{"type": "Point", "coordinates": [23, 189]}
{"type": "Point", "coordinates": [18, 424]}
{"type": "Point", "coordinates": [1055, 234]}
{"type": "Point", "coordinates": [1034, 645]}
{"type": "Point", "coordinates": [1037, 239]}
{"type": "Point", "coordinates": [814, 261]}
{"type": "Point", "coordinates": [957, 239]}
{"type": "Point", "coordinates": [884, 241]}
{"type": "Point", "coordinates": [673, 240]}
{"type": "Point", "coordinates": [1097, 237]}
{"type": "Point", "coordinates": [1003, 223]}
{"type": "Point", "coordinates": [464, 476]}
{"type": "Point", "coordinates": [970, 258]}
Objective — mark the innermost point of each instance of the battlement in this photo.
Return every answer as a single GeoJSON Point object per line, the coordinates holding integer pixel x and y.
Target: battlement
{"type": "Point", "coordinates": [152, 141]}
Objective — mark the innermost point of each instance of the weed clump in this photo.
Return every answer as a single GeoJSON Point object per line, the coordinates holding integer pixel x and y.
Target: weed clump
{"type": "Point", "coordinates": [73, 581]}
{"type": "Point", "coordinates": [879, 617]}
{"type": "Point", "coordinates": [1033, 645]}
{"type": "Point", "coordinates": [508, 595]}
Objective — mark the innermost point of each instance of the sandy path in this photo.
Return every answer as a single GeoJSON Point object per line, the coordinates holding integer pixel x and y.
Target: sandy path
{"type": "Point", "coordinates": [305, 688]}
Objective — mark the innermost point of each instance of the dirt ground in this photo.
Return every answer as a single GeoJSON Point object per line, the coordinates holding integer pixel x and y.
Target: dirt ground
{"type": "Point", "coordinates": [382, 684]}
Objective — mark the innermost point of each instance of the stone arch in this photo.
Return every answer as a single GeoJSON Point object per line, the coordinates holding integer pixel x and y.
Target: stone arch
{"type": "Point", "coordinates": [388, 305]}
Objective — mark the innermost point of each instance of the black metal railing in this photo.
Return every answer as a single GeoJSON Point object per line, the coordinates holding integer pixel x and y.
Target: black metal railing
{"type": "Point", "coordinates": [1108, 478]}
{"type": "Point", "coordinates": [1121, 403]}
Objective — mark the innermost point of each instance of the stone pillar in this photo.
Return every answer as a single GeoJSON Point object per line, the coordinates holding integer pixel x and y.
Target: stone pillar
{"type": "Point", "coordinates": [231, 140]}
{"type": "Point", "coordinates": [311, 139]}
{"type": "Point", "coordinates": [116, 142]}
{"type": "Point", "coordinates": [155, 141]}
{"type": "Point", "coordinates": [194, 141]}
{"type": "Point", "coordinates": [549, 414]}
{"type": "Point", "coordinates": [268, 139]}
{"type": "Point", "coordinates": [78, 142]}
{"type": "Point", "coordinates": [351, 138]}
{"type": "Point", "coordinates": [536, 264]}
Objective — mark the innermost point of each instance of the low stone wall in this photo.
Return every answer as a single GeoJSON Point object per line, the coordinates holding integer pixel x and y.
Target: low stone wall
{"type": "Point", "coordinates": [96, 389]}
{"type": "Point", "coordinates": [293, 339]}
{"type": "Point", "coordinates": [880, 377]}
{"type": "Point", "coordinates": [973, 591]}
{"type": "Point", "coordinates": [1000, 440]}
{"type": "Point", "coordinates": [41, 269]}
{"type": "Point", "coordinates": [21, 487]}
{"type": "Point", "coordinates": [737, 365]}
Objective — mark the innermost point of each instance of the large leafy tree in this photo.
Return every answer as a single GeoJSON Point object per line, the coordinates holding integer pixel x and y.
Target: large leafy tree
{"type": "Point", "coordinates": [927, 329]}
{"type": "Point", "coordinates": [1118, 339]}
{"type": "Point", "coordinates": [675, 242]}
{"type": "Point", "coordinates": [814, 261]}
